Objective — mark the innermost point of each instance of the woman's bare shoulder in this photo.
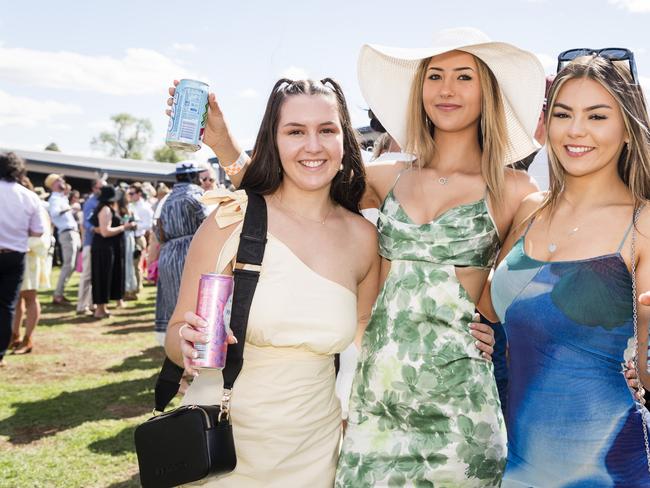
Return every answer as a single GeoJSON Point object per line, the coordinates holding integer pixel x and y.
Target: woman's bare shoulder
{"type": "Point", "coordinates": [361, 231]}
{"type": "Point", "coordinates": [210, 237]}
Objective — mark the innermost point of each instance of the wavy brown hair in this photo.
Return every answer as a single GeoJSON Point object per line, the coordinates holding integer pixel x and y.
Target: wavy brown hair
{"type": "Point", "coordinates": [634, 161]}
{"type": "Point", "coordinates": [264, 173]}
{"type": "Point", "coordinates": [492, 134]}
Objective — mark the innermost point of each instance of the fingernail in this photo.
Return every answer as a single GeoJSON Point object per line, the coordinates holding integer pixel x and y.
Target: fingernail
{"type": "Point", "coordinates": [235, 339]}
{"type": "Point", "coordinates": [476, 317]}
{"type": "Point", "coordinates": [195, 355]}
{"type": "Point", "coordinates": [471, 325]}
{"type": "Point", "coordinates": [477, 343]}
{"type": "Point", "coordinates": [205, 338]}
{"type": "Point", "coordinates": [195, 373]}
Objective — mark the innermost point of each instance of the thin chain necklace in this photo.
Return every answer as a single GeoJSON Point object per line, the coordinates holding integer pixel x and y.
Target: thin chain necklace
{"type": "Point", "coordinates": [293, 212]}
{"type": "Point", "coordinates": [552, 247]}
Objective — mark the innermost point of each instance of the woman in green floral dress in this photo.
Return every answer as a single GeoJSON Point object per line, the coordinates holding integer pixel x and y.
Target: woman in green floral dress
{"type": "Point", "coordinates": [424, 409]}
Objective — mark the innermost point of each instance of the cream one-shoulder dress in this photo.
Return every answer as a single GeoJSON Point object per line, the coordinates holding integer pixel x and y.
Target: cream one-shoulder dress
{"type": "Point", "coordinates": [285, 414]}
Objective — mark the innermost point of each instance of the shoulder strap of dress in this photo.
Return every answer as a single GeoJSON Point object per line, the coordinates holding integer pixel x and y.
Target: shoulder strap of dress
{"type": "Point", "coordinates": [397, 179]}
{"type": "Point", "coordinates": [530, 224]}
{"type": "Point", "coordinates": [629, 227]}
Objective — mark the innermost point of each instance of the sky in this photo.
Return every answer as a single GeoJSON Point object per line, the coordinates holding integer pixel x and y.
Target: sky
{"type": "Point", "coordinates": [66, 67]}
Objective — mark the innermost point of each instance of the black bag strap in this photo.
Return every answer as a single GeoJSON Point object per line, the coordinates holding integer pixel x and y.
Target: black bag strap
{"type": "Point", "coordinates": [250, 253]}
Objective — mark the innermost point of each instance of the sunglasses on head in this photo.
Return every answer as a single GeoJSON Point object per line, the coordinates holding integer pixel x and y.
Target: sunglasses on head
{"type": "Point", "coordinates": [611, 53]}
{"type": "Point", "coordinates": [207, 178]}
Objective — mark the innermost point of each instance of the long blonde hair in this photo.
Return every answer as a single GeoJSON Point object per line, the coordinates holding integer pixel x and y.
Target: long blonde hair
{"type": "Point", "coordinates": [492, 134]}
{"type": "Point", "coordinates": [634, 161]}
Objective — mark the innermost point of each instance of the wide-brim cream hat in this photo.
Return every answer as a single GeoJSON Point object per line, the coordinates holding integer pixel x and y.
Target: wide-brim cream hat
{"type": "Point", "coordinates": [386, 75]}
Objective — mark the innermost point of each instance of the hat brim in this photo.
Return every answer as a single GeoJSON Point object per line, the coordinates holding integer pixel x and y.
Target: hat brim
{"type": "Point", "coordinates": [187, 172]}
{"type": "Point", "coordinates": [386, 75]}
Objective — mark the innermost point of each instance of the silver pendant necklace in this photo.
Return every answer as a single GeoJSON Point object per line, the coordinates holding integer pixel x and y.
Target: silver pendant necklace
{"type": "Point", "coordinates": [552, 247]}
{"type": "Point", "coordinates": [443, 180]}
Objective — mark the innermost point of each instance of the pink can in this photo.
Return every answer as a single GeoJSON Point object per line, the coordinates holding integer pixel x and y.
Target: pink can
{"type": "Point", "coordinates": [214, 292]}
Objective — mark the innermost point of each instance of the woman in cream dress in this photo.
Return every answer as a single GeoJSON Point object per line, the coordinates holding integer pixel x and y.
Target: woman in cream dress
{"type": "Point", "coordinates": [317, 284]}
{"type": "Point", "coordinates": [38, 267]}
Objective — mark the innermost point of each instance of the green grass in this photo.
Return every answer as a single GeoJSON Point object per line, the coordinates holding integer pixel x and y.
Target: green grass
{"type": "Point", "coordinates": [68, 410]}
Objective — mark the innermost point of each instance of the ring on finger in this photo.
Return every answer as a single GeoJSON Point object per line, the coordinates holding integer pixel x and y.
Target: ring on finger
{"type": "Point", "coordinates": [180, 331]}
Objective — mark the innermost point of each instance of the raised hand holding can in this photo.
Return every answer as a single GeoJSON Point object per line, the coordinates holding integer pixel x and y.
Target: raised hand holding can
{"type": "Point", "coordinates": [189, 112]}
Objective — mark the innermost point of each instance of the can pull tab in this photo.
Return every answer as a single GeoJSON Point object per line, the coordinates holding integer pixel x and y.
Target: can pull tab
{"type": "Point", "coordinates": [225, 405]}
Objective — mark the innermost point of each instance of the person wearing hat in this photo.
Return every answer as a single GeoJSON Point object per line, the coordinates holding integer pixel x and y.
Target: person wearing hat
{"type": "Point", "coordinates": [180, 217]}
{"type": "Point", "coordinates": [465, 107]}
{"type": "Point", "coordinates": [21, 219]}
{"type": "Point", "coordinates": [107, 251]}
{"type": "Point", "coordinates": [68, 233]}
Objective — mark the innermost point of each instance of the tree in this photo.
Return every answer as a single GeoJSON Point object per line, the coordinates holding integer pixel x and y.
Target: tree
{"type": "Point", "coordinates": [52, 146]}
{"type": "Point", "coordinates": [128, 138]}
{"type": "Point", "coordinates": [166, 154]}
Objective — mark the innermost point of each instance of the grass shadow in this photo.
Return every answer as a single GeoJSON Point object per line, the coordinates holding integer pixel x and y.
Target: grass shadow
{"type": "Point", "coordinates": [119, 444]}
{"type": "Point", "coordinates": [143, 329]}
{"type": "Point", "coordinates": [151, 358]}
{"type": "Point", "coordinates": [116, 322]}
{"type": "Point", "coordinates": [43, 418]}
{"type": "Point", "coordinates": [133, 482]}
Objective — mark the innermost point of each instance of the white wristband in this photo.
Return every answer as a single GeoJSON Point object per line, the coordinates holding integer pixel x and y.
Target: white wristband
{"type": "Point", "coordinates": [237, 166]}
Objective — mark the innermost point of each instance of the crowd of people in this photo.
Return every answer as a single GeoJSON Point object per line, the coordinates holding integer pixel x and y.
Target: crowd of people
{"type": "Point", "coordinates": [459, 227]}
{"type": "Point", "coordinates": [112, 237]}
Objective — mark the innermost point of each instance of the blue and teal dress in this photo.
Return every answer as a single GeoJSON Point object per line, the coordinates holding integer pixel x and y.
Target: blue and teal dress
{"type": "Point", "coordinates": [571, 419]}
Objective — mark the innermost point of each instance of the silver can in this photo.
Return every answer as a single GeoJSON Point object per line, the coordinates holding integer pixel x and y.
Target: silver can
{"type": "Point", "coordinates": [189, 113]}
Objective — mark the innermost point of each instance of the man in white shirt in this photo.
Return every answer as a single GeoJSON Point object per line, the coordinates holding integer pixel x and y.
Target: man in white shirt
{"type": "Point", "coordinates": [144, 218]}
{"type": "Point", "coordinates": [20, 219]}
{"type": "Point", "coordinates": [68, 231]}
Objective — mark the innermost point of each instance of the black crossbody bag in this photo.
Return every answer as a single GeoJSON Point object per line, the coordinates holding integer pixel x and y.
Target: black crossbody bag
{"type": "Point", "coordinates": [193, 442]}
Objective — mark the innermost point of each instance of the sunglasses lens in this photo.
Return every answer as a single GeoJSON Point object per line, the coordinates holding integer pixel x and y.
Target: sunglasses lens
{"type": "Point", "coordinates": [572, 54]}
{"type": "Point", "coordinates": [615, 54]}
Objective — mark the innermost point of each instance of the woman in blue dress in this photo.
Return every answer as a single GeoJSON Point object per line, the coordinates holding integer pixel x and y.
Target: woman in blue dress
{"type": "Point", "coordinates": [564, 288]}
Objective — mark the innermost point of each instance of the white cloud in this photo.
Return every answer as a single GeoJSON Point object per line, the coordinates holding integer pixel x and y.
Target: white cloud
{"type": "Point", "coordinates": [138, 72]}
{"type": "Point", "coordinates": [28, 112]}
{"type": "Point", "coordinates": [632, 5]}
{"type": "Point", "coordinates": [184, 47]}
{"type": "Point", "coordinates": [248, 93]}
{"type": "Point", "coordinates": [295, 73]}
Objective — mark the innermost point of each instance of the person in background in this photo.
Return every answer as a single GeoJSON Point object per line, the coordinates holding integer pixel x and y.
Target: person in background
{"type": "Point", "coordinates": [208, 177]}
{"type": "Point", "coordinates": [34, 279]}
{"type": "Point", "coordinates": [62, 216]}
{"type": "Point", "coordinates": [149, 193]}
{"type": "Point", "coordinates": [143, 214]}
{"type": "Point", "coordinates": [126, 215]}
{"type": "Point", "coordinates": [84, 297]}
{"type": "Point", "coordinates": [74, 199]}
{"type": "Point", "coordinates": [107, 253]}
{"type": "Point", "coordinates": [180, 217]}
{"type": "Point", "coordinates": [162, 190]}
{"type": "Point", "coordinates": [21, 219]}
{"type": "Point", "coordinates": [538, 167]}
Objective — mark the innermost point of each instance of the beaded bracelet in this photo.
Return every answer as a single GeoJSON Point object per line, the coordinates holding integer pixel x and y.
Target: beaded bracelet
{"type": "Point", "coordinates": [237, 166]}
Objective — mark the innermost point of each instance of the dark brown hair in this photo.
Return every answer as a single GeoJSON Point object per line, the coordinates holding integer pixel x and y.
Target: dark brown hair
{"type": "Point", "coordinates": [264, 173]}
{"type": "Point", "coordinates": [12, 167]}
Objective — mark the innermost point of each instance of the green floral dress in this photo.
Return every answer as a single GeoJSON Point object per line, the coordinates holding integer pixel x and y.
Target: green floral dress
{"type": "Point", "coordinates": [424, 409]}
